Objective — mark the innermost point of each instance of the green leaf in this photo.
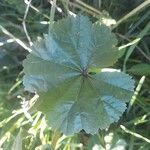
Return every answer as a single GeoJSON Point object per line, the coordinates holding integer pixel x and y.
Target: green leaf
{"type": "Point", "coordinates": [17, 145]}
{"type": "Point", "coordinates": [59, 70]}
{"type": "Point", "coordinates": [140, 69]}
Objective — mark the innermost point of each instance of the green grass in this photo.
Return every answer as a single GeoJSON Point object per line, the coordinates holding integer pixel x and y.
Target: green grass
{"type": "Point", "coordinates": [20, 129]}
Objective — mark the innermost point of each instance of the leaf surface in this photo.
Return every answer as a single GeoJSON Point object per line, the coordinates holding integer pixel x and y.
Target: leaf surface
{"type": "Point", "coordinates": [58, 69]}
{"type": "Point", "coordinates": [140, 69]}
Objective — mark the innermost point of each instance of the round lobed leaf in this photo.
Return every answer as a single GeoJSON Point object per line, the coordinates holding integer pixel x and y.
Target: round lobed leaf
{"type": "Point", "coordinates": [58, 69]}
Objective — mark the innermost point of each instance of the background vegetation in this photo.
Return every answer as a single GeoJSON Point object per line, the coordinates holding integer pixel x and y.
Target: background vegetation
{"type": "Point", "coordinates": [21, 22]}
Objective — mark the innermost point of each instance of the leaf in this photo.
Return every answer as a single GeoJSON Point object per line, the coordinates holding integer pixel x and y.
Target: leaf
{"type": "Point", "coordinates": [59, 70]}
{"type": "Point", "coordinates": [17, 145]}
{"type": "Point", "coordinates": [140, 69]}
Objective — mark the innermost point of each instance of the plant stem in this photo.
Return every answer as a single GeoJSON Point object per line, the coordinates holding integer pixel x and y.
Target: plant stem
{"type": "Point", "coordinates": [134, 134]}
{"type": "Point", "coordinates": [138, 88]}
{"type": "Point", "coordinates": [55, 138]}
{"type": "Point", "coordinates": [52, 14]}
{"type": "Point", "coordinates": [21, 43]}
{"type": "Point", "coordinates": [132, 13]}
{"type": "Point", "coordinates": [24, 22]}
{"type": "Point", "coordinates": [131, 49]}
{"type": "Point", "coordinates": [66, 5]}
{"type": "Point", "coordinates": [89, 7]}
